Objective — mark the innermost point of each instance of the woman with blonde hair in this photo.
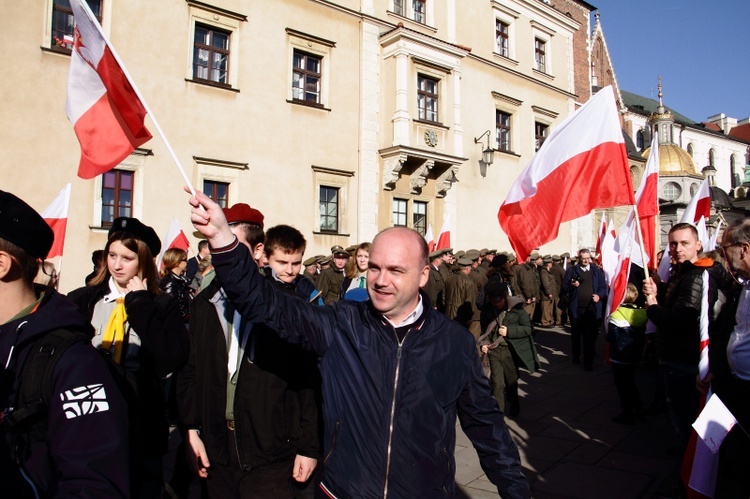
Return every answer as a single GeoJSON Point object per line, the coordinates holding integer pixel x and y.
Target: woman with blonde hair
{"type": "Point", "coordinates": [354, 286]}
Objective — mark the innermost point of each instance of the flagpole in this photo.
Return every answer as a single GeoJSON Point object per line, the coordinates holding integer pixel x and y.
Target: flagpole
{"type": "Point", "coordinates": [640, 237]}
{"type": "Point", "coordinates": [92, 17]}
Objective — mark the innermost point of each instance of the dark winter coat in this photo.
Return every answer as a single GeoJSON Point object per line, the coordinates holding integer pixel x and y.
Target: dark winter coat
{"type": "Point", "coordinates": [390, 406]}
{"type": "Point", "coordinates": [599, 288]}
{"type": "Point", "coordinates": [164, 350]}
{"type": "Point", "coordinates": [275, 407]}
{"type": "Point", "coordinates": [85, 454]}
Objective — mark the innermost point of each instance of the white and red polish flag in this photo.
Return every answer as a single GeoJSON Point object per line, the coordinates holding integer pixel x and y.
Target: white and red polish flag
{"type": "Point", "coordinates": [430, 238]}
{"type": "Point", "coordinates": [600, 238]}
{"type": "Point", "coordinates": [444, 238]}
{"type": "Point", "coordinates": [56, 216]}
{"type": "Point", "coordinates": [582, 166]}
{"type": "Point", "coordinates": [624, 248]}
{"type": "Point", "coordinates": [175, 238]}
{"type": "Point", "coordinates": [609, 255]}
{"type": "Point", "coordinates": [106, 113]}
{"type": "Point", "coordinates": [647, 200]}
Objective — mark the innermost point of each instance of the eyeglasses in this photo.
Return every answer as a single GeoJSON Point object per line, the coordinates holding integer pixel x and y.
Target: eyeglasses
{"type": "Point", "coordinates": [724, 248]}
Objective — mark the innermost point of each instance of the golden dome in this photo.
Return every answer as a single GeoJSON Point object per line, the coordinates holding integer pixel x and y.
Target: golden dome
{"type": "Point", "coordinates": [673, 160]}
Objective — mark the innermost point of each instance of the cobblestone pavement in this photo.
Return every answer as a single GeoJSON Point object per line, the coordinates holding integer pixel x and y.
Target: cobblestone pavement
{"type": "Point", "coordinates": [569, 446]}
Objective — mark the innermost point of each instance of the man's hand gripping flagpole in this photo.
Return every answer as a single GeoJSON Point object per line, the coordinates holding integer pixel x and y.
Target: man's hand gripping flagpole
{"type": "Point", "coordinates": [208, 219]}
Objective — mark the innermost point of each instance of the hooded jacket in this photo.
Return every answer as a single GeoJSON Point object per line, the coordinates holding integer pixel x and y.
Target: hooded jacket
{"type": "Point", "coordinates": [390, 406]}
{"type": "Point", "coordinates": [85, 454]}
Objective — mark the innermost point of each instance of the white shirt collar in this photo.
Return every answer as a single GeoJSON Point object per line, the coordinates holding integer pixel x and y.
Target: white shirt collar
{"type": "Point", "coordinates": [586, 268]}
{"type": "Point", "coordinates": [114, 293]}
{"type": "Point", "coordinates": [412, 317]}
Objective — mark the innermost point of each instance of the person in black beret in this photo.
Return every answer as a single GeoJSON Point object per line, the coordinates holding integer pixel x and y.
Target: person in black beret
{"type": "Point", "coordinates": [143, 330]}
{"type": "Point", "coordinates": [76, 440]}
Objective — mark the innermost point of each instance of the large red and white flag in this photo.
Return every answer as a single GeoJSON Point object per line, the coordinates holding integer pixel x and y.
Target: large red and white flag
{"type": "Point", "coordinates": [581, 166]}
{"type": "Point", "coordinates": [647, 200]}
{"type": "Point", "coordinates": [175, 238]}
{"type": "Point", "coordinates": [625, 246]}
{"type": "Point", "coordinates": [444, 238]}
{"type": "Point", "coordinates": [56, 216]}
{"type": "Point", "coordinates": [609, 255]}
{"type": "Point", "coordinates": [430, 238]}
{"type": "Point", "coordinates": [106, 113]}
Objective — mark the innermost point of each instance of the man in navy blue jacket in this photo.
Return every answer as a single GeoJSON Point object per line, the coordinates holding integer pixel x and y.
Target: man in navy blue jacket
{"type": "Point", "coordinates": [586, 288]}
{"type": "Point", "coordinates": [396, 373]}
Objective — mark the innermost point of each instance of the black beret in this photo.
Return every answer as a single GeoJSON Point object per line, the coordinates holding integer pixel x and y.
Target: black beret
{"type": "Point", "coordinates": [139, 230]}
{"type": "Point", "coordinates": [21, 225]}
{"type": "Point", "coordinates": [499, 261]}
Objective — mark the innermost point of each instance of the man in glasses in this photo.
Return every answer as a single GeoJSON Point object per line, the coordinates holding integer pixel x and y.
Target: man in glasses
{"type": "Point", "coordinates": [676, 311]}
{"type": "Point", "coordinates": [729, 353]}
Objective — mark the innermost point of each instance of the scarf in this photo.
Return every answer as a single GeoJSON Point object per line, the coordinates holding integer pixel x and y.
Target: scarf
{"type": "Point", "coordinates": [114, 333]}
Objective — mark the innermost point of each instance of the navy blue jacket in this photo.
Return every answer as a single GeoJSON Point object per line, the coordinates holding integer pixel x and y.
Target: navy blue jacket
{"type": "Point", "coordinates": [389, 408]}
{"type": "Point", "coordinates": [599, 285]}
{"type": "Point", "coordinates": [86, 453]}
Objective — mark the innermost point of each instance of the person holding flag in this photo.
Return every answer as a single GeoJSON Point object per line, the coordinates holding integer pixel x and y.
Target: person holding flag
{"type": "Point", "coordinates": [677, 314]}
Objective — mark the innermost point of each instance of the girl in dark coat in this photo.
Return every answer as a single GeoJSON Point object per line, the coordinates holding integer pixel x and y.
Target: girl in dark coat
{"type": "Point", "coordinates": [142, 329]}
{"type": "Point", "coordinates": [173, 280]}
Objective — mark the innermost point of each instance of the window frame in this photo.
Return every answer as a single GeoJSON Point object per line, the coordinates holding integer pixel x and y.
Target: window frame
{"type": "Point", "coordinates": [500, 127]}
{"type": "Point", "coordinates": [504, 35]}
{"type": "Point", "coordinates": [116, 205]}
{"type": "Point", "coordinates": [221, 20]}
{"type": "Point", "coordinates": [540, 65]}
{"type": "Point", "coordinates": [223, 202]}
{"type": "Point", "coordinates": [315, 46]}
{"type": "Point", "coordinates": [324, 215]}
{"type": "Point", "coordinates": [422, 111]}
{"type": "Point", "coordinates": [305, 74]}
{"type": "Point", "coordinates": [67, 11]}
{"type": "Point", "coordinates": [419, 14]}
{"type": "Point", "coordinates": [420, 227]}
{"type": "Point", "coordinates": [400, 214]}
{"type": "Point", "coordinates": [539, 138]}
{"type": "Point", "coordinates": [212, 51]}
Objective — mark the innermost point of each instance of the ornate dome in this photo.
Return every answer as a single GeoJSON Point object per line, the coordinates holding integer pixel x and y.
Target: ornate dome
{"type": "Point", "coordinates": [673, 160]}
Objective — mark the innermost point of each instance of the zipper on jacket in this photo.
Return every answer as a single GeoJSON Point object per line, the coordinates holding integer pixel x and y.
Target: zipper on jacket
{"type": "Point", "coordinates": [333, 441]}
{"type": "Point", "coordinates": [393, 412]}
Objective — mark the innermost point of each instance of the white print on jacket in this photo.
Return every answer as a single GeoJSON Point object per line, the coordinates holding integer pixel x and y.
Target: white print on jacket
{"type": "Point", "coordinates": [83, 400]}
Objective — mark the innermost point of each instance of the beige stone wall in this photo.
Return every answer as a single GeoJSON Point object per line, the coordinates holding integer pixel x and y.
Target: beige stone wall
{"type": "Point", "coordinates": [289, 148]}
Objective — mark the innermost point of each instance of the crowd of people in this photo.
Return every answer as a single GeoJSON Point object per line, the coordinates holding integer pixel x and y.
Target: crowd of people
{"type": "Point", "coordinates": [342, 379]}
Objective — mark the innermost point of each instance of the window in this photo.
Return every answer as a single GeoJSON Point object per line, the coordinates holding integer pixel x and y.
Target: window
{"type": "Point", "coordinates": [306, 77]}
{"type": "Point", "coordinates": [419, 10]}
{"type": "Point", "coordinates": [690, 150]}
{"type": "Point", "coordinates": [540, 133]}
{"type": "Point", "coordinates": [419, 216]}
{"type": "Point", "coordinates": [736, 178]}
{"type": "Point", "coordinates": [693, 189]}
{"type": "Point", "coordinates": [711, 157]}
{"type": "Point", "coordinates": [640, 140]}
{"type": "Point", "coordinates": [672, 191]}
{"type": "Point", "coordinates": [329, 209]}
{"type": "Point", "coordinates": [117, 196]}
{"type": "Point", "coordinates": [540, 49]}
{"type": "Point", "coordinates": [427, 98]}
{"type": "Point", "coordinates": [211, 55]}
{"type": "Point", "coordinates": [398, 7]}
{"type": "Point", "coordinates": [63, 22]}
{"type": "Point", "coordinates": [502, 123]}
{"type": "Point", "coordinates": [399, 212]}
{"type": "Point", "coordinates": [501, 36]}
{"type": "Point", "coordinates": [217, 191]}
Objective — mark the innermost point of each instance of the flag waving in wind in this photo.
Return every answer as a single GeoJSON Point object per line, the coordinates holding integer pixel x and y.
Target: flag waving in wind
{"type": "Point", "coordinates": [106, 113]}
{"type": "Point", "coordinates": [647, 199]}
{"type": "Point", "coordinates": [583, 165]}
{"type": "Point", "coordinates": [444, 238]}
{"type": "Point", "coordinates": [175, 238]}
{"type": "Point", "coordinates": [56, 216]}
{"type": "Point", "coordinates": [429, 238]}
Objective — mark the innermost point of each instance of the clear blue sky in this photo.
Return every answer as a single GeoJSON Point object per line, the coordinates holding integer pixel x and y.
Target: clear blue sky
{"type": "Point", "coordinates": [700, 48]}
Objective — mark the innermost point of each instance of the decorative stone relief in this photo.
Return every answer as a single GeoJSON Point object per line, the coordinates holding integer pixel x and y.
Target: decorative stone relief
{"type": "Point", "coordinates": [392, 170]}
{"type": "Point", "coordinates": [419, 177]}
{"type": "Point", "coordinates": [444, 181]}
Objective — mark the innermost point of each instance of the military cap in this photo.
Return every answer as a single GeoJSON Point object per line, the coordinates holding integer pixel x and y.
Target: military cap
{"type": "Point", "coordinates": [483, 252]}
{"type": "Point", "coordinates": [435, 254]}
{"type": "Point", "coordinates": [351, 249]}
{"type": "Point", "coordinates": [243, 213]}
{"type": "Point", "coordinates": [139, 230]}
{"type": "Point", "coordinates": [21, 225]}
{"type": "Point", "coordinates": [565, 255]}
{"type": "Point", "coordinates": [310, 261]}
{"type": "Point", "coordinates": [338, 250]}
{"type": "Point", "coordinates": [512, 257]}
{"type": "Point", "coordinates": [534, 256]}
{"type": "Point", "coordinates": [492, 252]}
{"type": "Point", "coordinates": [448, 250]}
{"type": "Point", "coordinates": [325, 260]}
{"type": "Point", "coordinates": [547, 259]}
{"type": "Point", "coordinates": [464, 262]}
{"type": "Point", "coordinates": [460, 254]}
{"type": "Point", "coordinates": [473, 254]}
{"type": "Point", "coordinates": [556, 258]}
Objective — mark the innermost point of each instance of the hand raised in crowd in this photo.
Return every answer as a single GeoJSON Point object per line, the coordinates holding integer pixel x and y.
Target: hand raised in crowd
{"type": "Point", "coordinates": [303, 468]}
{"type": "Point", "coordinates": [136, 284]}
{"type": "Point", "coordinates": [208, 219]}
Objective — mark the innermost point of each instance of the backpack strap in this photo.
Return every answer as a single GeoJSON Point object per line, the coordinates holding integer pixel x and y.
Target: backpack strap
{"type": "Point", "coordinates": [29, 415]}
